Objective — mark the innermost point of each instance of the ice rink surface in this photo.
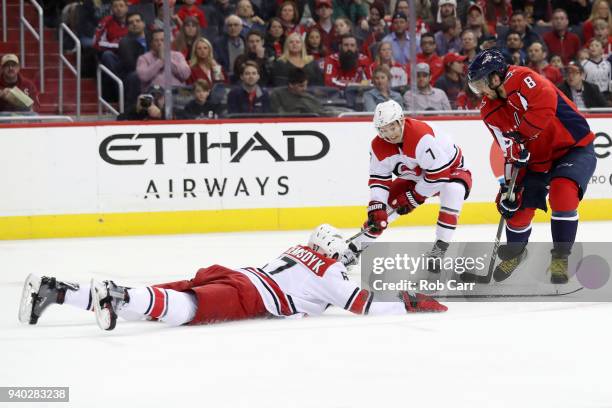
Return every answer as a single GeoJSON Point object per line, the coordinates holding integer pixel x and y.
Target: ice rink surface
{"type": "Point", "coordinates": [475, 355]}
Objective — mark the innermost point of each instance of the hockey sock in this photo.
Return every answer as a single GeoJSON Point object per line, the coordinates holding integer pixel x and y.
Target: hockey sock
{"type": "Point", "coordinates": [564, 202]}
{"type": "Point", "coordinates": [166, 305]}
{"type": "Point", "coordinates": [452, 196]}
{"type": "Point", "coordinates": [518, 228]}
{"type": "Point", "coordinates": [80, 298]}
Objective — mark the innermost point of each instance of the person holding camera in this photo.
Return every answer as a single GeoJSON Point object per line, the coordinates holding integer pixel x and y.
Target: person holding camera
{"type": "Point", "coordinates": [149, 106]}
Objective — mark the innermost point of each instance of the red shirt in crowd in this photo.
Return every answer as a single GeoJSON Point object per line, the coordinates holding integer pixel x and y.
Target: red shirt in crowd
{"type": "Point", "coordinates": [436, 66]}
{"type": "Point", "coordinates": [108, 34]}
{"type": "Point", "coordinates": [566, 45]}
{"type": "Point", "coordinates": [193, 11]}
{"type": "Point", "coordinates": [549, 72]}
{"type": "Point", "coordinates": [337, 78]}
{"type": "Point", "coordinates": [26, 86]}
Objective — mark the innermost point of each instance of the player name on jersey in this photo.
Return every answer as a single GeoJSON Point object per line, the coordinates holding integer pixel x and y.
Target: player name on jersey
{"type": "Point", "coordinates": [309, 259]}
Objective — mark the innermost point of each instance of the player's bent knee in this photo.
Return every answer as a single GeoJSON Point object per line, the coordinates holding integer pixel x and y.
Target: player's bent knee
{"type": "Point", "coordinates": [563, 195]}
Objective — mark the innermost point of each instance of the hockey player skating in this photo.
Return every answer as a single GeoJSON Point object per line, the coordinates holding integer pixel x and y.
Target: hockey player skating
{"type": "Point", "coordinates": [542, 133]}
{"type": "Point", "coordinates": [425, 164]}
{"type": "Point", "coordinates": [304, 280]}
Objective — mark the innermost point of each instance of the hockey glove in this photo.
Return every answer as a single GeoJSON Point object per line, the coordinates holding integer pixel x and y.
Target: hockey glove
{"type": "Point", "coordinates": [517, 154]}
{"type": "Point", "coordinates": [421, 303]}
{"type": "Point", "coordinates": [377, 218]}
{"type": "Point", "coordinates": [515, 136]}
{"type": "Point", "coordinates": [405, 203]}
{"type": "Point", "coordinates": [509, 203]}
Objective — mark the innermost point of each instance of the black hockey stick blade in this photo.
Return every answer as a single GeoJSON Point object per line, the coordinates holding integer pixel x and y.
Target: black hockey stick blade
{"type": "Point", "coordinates": [509, 296]}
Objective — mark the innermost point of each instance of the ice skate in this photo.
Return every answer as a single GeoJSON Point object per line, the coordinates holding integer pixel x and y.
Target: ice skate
{"type": "Point", "coordinates": [106, 298]}
{"type": "Point", "coordinates": [558, 269]}
{"type": "Point", "coordinates": [509, 262]}
{"type": "Point", "coordinates": [38, 293]}
{"type": "Point", "coordinates": [435, 256]}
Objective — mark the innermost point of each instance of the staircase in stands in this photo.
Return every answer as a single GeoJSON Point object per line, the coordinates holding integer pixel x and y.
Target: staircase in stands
{"type": "Point", "coordinates": [31, 68]}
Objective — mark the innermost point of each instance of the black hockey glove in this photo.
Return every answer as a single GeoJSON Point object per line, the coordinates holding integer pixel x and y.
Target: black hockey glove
{"type": "Point", "coordinates": [508, 204]}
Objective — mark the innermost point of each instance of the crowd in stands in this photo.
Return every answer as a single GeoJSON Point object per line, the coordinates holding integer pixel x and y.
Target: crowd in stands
{"type": "Point", "coordinates": [284, 57]}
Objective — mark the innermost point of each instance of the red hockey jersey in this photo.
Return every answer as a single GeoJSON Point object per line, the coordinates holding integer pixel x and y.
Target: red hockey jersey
{"type": "Point", "coordinates": [541, 113]}
{"type": "Point", "coordinates": [336, 77]}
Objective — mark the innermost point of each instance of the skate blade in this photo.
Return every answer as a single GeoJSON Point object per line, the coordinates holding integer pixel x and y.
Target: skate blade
{"type": "Point", "coordinates": [30, 287]}
{"type": "Point", "coordinates": [105, 317]}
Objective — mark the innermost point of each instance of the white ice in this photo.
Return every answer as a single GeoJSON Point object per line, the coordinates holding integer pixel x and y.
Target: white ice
{"type": "Point", "coordinates": [475, 355]}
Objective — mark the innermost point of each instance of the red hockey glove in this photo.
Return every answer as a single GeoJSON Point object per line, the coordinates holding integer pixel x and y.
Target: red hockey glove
{"type": "Point", "coordinates": [405, 203]}
{"type": "Point", "coordinates": [421, 303]}
{"type": "Point", "coordinates": [508, 204]}
{"type": "Point", "coordinates": [377, 218]}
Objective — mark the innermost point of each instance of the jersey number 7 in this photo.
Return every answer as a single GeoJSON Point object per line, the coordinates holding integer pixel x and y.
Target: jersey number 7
{"type": "Point", "coordinates": [288, 264]}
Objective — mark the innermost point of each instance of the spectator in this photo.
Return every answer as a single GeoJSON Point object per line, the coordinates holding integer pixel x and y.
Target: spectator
{"type": "Point", "coordinates": [582, 93]}
{"type": "Point", "coordinates": [342, 27]}
{"type": "Point", "coordinates": [374, 29]}
{"type": "Point", "coordinates": [347, 67]}
{"type": "Point", "coordinates": [149, 106]}
{"type": "Point", "coordinates": [537, 13]}
{"type": "Point", "coordinates": [400, 39]}
{"type": "Point", "coordinates": [448, 39]}
{"type": "Point", "coordinates": [555, 61]}
{"type": "Point", "coordinates": [497, 13]}
{"type": "Point", "coordinates": [427, 97]}
{"type": "Point", "coordinates": [201, 107]}
{"type": "Point", "coordinates": [131, 47]}
{"type": "Point", "coordinates": [397, 71]}
{"type": "Point", "coordinates": [294, 98]}
{"type": "Point", "coordinates": [275, 37]}
{"type": "Point", "coordinates": [518, 24]}
{"type": "Point", "coordinates": [254, 51]}
{"type": "Point", "coordinates": [430, 57]}
{"type": "Point", "coordinates": [453, 81]}
{"type": "Point", "coordinates": [216, 15]}
{"type": "Point", "coordinates": [315, 47]}
{"type": "Point", "coordinates": [187, 36]}
{"type": "Point", "coordinates": [14, 86]}
{"type": "Point", "coordinates": [537, 62]}
{"type": "Point", "coordinates": [204, 66]}
{"type": "Point", "coordinates": [560, 41]}
{"type": "Point", "coordinates": [476, 21]}
{"type": "Point", "coordinates": [289, 16]}
{"type": "Point", "coordinates": [355, 11]}
{"type": "Point", "coordinates": [248, 96]}
{"type": "Point", "coordinates": [403, 7]}
{"type": "Point", "coordinates": [602, 33]}
{"type": "Point", "coordinates": [424, 11]}
{"type": "Point", "coordinates": [381, 79]}
{"type": "Point", "coordinates": [488, 41]}
{"type": "Point", "coordinates": [250, 21]}
{"type": "Point", "coordinates": [150, 65]}
{"type": "Point", "coordinates": [230, 45]}
{"type": "Point", "coordinates": [577, 10]}
{"type": "Point", "coordinates": [175, 21]}
{"type": "Point", "coordinates": [597, 70]}
{"type": "Point", "coordinates": [469, 45]}
{"type": "Point", "coordinates": [446, 9]}
{"type": "Point", "coordinates": [294, 56]}
{"type": "Point", "coordinates": [468, 100]}
{"type": "Point", "coordinates": [325, 24]}
{"type": "Point", "coordinates": [190, 9]}
{"type": "Point", "coordinates": [110, 31]}
{"type": "Point", "coordinates": [513, 51]}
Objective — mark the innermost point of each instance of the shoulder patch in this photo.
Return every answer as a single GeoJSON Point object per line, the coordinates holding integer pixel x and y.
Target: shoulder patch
{"type": "Point", "coordinates": [383, 149]}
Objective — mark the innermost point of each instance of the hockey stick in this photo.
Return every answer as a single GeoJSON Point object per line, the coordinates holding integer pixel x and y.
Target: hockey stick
{"type": "Point", "coordinates": [363, 231]}
{"type": "Point", "coordinates": [471, 277]}
{"type": "Point", "coordinates": [501, 296]}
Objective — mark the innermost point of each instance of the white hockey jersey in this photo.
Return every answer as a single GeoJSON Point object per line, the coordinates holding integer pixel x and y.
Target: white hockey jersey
{"type": "Point", "coordinates": [303, 282]}
{"type": "Point", "coordinates": [425, 156]}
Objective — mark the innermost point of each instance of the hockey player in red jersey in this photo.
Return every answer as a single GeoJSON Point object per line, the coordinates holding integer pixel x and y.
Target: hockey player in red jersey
{"type": "Point", "coordinates": [303, 280]}
{"type": "Point", "coordinates": [348, 66]}
{"type": "Point", "coordinates": [541, 132]}
{"type": "Point", "coordinates": [425, 163]}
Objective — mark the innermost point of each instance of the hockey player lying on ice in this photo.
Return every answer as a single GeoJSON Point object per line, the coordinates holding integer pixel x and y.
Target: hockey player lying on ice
{"type": "Point", "coordinates": [304, 280]}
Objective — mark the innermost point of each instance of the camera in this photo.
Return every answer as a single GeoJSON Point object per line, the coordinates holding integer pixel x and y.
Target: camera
{"type": "Point", "coordinates": [146, 101]}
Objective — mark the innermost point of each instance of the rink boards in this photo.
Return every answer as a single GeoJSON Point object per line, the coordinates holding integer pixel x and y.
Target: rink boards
{"type": "Point", "coordinates": [188, 177]}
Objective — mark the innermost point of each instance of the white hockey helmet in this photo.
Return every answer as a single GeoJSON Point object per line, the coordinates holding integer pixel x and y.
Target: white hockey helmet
{"type": "Point", "coordinates": [386, 113]}
{"type": "Point", "coordinates": [328, 241]}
